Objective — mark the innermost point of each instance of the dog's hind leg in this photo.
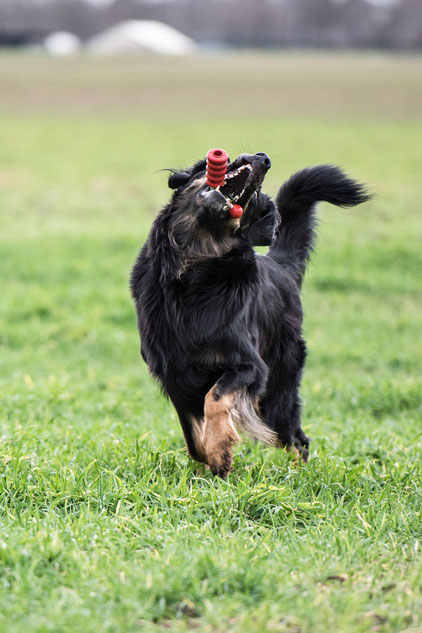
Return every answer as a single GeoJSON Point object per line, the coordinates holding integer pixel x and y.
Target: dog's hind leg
{"type": "Point", "coordinates": [280, 404]}
{"type": "Point", "coordinates": [290, 433]}
{"type": "Point", "coordinates": [219, 432]}
{"type": "Point", "coordinates": [281, 408]}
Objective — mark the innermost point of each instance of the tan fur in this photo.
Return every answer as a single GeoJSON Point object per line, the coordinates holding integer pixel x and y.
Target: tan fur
{"type": "Point", "coordinates": [219, 432]}
{"type": "Point", "coordinates": [198, 438]}
{"type": "Point", "coordinates": [205, 244]}
{"type": "Point", "coordinates": [197, 185]}
{"type": "Point", "coordinates": [215, 434]}
{"type": "Point", "coordinates": [297, 456]}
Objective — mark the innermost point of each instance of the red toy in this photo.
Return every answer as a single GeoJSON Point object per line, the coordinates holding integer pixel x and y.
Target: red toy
{"type": "Point", "coordinates": [217, 160]}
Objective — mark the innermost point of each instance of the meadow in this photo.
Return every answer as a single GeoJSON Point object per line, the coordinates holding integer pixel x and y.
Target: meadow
{"type": "Point", "coordinates": [105, 523]}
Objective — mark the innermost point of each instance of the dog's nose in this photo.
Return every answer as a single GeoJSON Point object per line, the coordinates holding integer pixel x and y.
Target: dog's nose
{"type": "Point", "coordinates": [264, 158]}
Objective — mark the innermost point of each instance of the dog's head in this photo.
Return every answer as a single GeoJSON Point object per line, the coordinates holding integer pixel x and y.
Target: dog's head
{"type": "Point", "coordinates": [201, 219]}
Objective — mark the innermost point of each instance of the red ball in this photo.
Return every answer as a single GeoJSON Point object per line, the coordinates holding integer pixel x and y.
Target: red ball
{"type": "Point", "coordinates": [236, 211]}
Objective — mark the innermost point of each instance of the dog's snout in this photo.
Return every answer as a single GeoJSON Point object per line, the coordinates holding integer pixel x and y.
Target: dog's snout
{"type": "Point", "coordinates": [213, 200]}
{"type": "Point", "coordinates": [264, 158]}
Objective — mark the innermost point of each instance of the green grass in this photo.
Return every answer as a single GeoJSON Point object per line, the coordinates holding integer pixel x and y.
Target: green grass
{"type": "Point", "coordinates": [105, 523]}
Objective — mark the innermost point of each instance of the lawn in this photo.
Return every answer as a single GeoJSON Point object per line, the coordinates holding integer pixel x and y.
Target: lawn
{"type": "Point", "coordinates": [105, 523]}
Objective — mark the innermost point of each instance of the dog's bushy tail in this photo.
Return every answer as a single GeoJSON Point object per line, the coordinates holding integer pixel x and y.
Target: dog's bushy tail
{"type": "Point", "coordinates": [296, 202]}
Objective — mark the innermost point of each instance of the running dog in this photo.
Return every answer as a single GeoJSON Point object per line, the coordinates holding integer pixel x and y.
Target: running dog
{"type": "Point", "coordinates": [220, 324]}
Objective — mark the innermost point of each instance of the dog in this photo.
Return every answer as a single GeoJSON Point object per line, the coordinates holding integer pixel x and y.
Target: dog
{"type": "Point", "coordinates": [220, 324]}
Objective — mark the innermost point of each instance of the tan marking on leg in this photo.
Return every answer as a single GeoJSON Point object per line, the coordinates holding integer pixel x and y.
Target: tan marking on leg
{"type": "Point", "coordinates": [198, 427]}
{"type": "Point", "coordinates": [219, 433]}
{"type": "Point", "coordinates": [297, 456]}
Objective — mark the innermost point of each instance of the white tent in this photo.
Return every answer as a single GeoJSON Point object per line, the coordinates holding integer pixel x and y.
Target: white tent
{"type": "Point", "coordinates": [141, 35]}
{"type": "Point", "coordinates": [62, 44]}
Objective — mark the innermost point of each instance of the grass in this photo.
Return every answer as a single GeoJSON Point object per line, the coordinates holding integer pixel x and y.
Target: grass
{"type": "Point", "coordinates": [105, 524]}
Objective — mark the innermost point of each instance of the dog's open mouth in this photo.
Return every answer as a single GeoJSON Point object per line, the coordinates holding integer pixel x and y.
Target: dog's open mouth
{"type": "Point", "coordinates": [240, 184]}
{"type": "Point", "coordinates": [244, 177]}
{"type": "Point", "coordinates": [235, 182]}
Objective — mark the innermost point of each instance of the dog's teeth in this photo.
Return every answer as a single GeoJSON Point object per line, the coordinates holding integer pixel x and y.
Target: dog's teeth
{"type": "Point", "coordinates": [245, 166]}
{"type": "Point", "coordinates": [235, 172]}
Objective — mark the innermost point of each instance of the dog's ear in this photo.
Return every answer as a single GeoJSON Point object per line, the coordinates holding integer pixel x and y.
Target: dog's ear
{"type": "Point", "coordinates": [181, 178]}
{"type": "Point", "coordinates": [178, 179]}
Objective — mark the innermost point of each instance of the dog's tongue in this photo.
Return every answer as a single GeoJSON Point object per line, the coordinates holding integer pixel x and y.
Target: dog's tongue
{"type": "Point", "coordinates": [217, 160]}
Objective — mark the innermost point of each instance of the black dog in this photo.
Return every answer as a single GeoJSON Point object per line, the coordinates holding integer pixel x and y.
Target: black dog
{"type": "Point", "coordinates": [220, 325]}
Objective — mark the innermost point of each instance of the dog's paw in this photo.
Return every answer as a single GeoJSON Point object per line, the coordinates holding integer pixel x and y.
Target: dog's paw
{"type": "Point", "coordinates": [301, 446]}
{"type": "Point", "coordinates": [298, 455]}
{"type": "Point", "coordinates": [220, 454]}
{"type": "Point", "coordinates": [221, 465]}
{"type": "Point", "coordinates": [297, 444]}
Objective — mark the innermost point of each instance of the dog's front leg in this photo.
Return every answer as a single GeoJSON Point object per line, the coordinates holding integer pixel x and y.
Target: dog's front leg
{"type": "Point", "coordinates": [219, 432]}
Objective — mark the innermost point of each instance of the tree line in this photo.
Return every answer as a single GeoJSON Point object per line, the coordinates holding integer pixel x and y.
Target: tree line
{"type": "Point", "coordinates": [229, 23]}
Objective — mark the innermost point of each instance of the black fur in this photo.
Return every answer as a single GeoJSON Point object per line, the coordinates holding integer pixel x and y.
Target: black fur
{"type": "Point", "coordinates": [213, 311]}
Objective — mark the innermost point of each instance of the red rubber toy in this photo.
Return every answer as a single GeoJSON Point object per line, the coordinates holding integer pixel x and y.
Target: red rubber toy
{"type": "Point", "coordinates": [217, 160]}
{"type": "Point", "coordinates": [236, 211]}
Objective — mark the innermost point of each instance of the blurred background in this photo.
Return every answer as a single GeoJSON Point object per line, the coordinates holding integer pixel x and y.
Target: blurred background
{"type": "Point", "coordinates": [96, 98]}
{"type": "Point", "coordinates": [213, 24]}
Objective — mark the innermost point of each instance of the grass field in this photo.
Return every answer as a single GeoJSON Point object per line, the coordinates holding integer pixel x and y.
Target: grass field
{"type": "Point", "coordinates": [105, 523]}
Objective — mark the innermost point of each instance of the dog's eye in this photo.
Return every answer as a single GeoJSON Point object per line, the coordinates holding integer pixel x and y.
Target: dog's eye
{"type": "Point", "coordinates": [178, 179]}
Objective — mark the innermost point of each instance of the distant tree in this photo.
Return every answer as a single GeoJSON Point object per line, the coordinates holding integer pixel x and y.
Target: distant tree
{"type": "Point", "coordinates": [263, 23]}
{"type": "Point", "coordinates": [406, 25]}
